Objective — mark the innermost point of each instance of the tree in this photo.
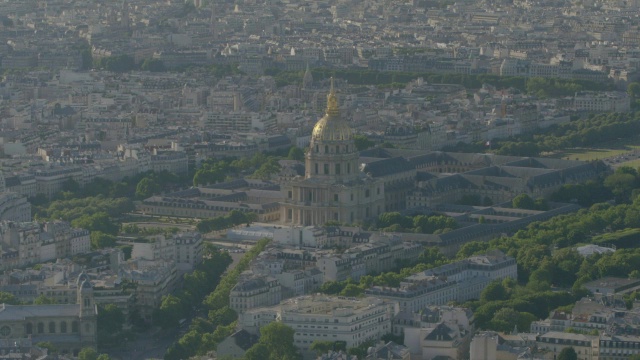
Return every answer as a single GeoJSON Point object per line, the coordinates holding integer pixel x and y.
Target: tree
{"type": "Point", "coordinates": [43, 300]}
{"type": "Point", "coordinates": [568, 353]}
{"type": "Point", "coordinates": [177, 352]}
{"type": "Point", "coordinates": [361, 350]}
{"type": "Point", "coordinates": [267, 169]}
{"type": "Point", "coordinates": [321, 347]}
{"type": "Point", "coordinates": [110, 322]}
{"type": "Point", "coordinates": [621, 185]}
{"type": "Point", "coordinates": [110, 319]}
{"type": "Point", "coordinates": [170, 312]}
{"type": "Point", "coordinates": [278, 339]}
{"type": "Point", "coordinates": [52, 349]}
{"type": "Point", "coordinates": [9, 299]}
{"type": "Point", "coordinates": [494, 291]}
{"type": "Point", "coordinates": [153, 65]}
{"type": "Point", "coordinates": [223, 316]}
{"type": "Point", "coordinates": [362, 142]}
{"type": "Point", "coordinates": [88, 354]}
{"type": "Point", "coordinates": [97, 222]}
{"type": "Point", "coordinates": [331, 287]}
{"type": "Point", "coordinates": [352, 290]}
{"type": "Point", "coordinates": [100, 240]}
{"type": "Point", "coordinates": [257, 352]}
{"type": "Point", "coordinates": [147, 187]}
{"type": "Point", "coordinates": [191, 340]}
{"type": "Point", "coordinates": [633, 89]}
{"type": "Point", "coordinates": [295, 153]}
{"type": "Point", "coordinates": [506, 319]}
{"type": "Point", "coordinates": [126, 250]}
{"type": "Point", "coordinates": [392, 218]}
{"type": "Point", "coordinates": [523, 201]}
{"type": "Point", "coordinates": [71, 186]}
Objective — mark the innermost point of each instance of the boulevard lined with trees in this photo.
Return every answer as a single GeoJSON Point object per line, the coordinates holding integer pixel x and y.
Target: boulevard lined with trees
{"type": "Point", "coordinates": [205, 334]}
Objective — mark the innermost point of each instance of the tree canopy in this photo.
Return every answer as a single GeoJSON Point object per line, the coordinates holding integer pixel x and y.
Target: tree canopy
{"type": "Point", "coordinates": [276, 343]}
{"type": "Point", "coordinates": [568, 353]}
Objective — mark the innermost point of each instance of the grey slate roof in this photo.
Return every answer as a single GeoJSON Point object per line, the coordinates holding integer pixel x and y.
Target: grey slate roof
{"type": "Point", "coordinates": [388, 166]}
{"type": "Point", "coordinates": [21, 312]}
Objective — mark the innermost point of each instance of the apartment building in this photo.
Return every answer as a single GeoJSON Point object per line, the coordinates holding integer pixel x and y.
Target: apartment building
{"type": "Point", "coordinates": [326, 318]}
{"type": "Point", "coordinates": [233, 121]}
{"type": "Point", "coordinates": [255, 291]}
{"type": "Point", "coordinates": [24, 237]}
{"type": "Point", "coordinates": [585, 346]}
{"type": "Point", "coordinates": [49, 181]}
{"type": "Point", "coordinates": [14, 207]}
{"type": "Point", "coordinates": [154, 279]}
{"type": "Point", "coordinates": [172, 161]}
{"type": "Point", "coordinates": [459, 281]}
{"type": "Point", "coordinates": [189, 248]}
{"type": "Point", "coordinates": [614, 347]}
{"type": "Point", "coordinates": [367, 258]}
{"type": "Point", "coordinates": [593, 101]}
{"type": "Point", "coordinates": [38, 242]}
{"type": "Point", "coordinates": [22, 184]}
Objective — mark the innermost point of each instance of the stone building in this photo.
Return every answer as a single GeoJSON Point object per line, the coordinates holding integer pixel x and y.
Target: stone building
{"type": "Point", "coordinates": [333, 188]}
{"type": "Point", "coordinates": [69, 327]}
{"type": "Point", "coordinates": [353, 321]}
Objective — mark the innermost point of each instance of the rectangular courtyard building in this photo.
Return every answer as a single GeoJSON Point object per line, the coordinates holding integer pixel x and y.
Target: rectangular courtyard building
{"type": "Point", "coordinates": [326, 318]}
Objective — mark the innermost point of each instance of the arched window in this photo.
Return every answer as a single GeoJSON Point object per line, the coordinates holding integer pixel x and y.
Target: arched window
{"type": "Point", "coordinates": [40, 328]}
{"type": "Point", "coordinates": [63, 327]}
{"type": "Point", "coordinates": [29, 328]}
{"type": "Point", "coordinates": [52, 327]}
{"type": "Point", "coordinates": [74, 327]}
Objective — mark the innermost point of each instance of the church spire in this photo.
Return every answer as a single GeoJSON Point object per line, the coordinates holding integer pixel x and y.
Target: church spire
{"type": "Point", "coordinates": [332, 102]}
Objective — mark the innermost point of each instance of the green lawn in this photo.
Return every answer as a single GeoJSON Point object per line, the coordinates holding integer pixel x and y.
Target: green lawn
{"type": "Point", "coordinates": [601, 151]}
{"type": "Point", "coordinates": [632, 163]}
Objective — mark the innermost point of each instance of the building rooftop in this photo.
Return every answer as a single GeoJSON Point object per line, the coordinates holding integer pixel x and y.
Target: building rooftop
{"type": "Point", "coordinates": [21, 312]}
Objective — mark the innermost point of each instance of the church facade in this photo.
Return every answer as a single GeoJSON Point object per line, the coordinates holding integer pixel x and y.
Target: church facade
{"type": "Point", "coordinates": [333, 188]}
{"type": "Point", "coordinates": [69, 327]}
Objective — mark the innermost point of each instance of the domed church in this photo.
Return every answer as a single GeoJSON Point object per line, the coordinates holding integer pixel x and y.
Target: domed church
{"type": "Point", "coordinates": [333, 188]}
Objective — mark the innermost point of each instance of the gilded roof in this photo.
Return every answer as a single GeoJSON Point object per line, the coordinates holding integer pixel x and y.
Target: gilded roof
{"type": "Point", "coordinates": [332, 126]}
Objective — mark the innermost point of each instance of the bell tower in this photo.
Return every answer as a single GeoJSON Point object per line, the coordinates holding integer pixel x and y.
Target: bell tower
{"type": "Point", "coordinates": [88, 310]}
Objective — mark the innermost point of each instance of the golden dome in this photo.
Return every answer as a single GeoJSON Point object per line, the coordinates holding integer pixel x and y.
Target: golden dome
{"type": "Point", "coordinates": [331, 126]}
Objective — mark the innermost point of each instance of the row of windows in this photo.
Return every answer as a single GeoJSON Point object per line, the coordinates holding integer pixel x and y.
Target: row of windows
{"type": "Point", "coordinates": [337, 149]}
{"type": "Point", "coordinates": [53, 328]}
{"type": "Point", "coordinates": [337, 169]}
